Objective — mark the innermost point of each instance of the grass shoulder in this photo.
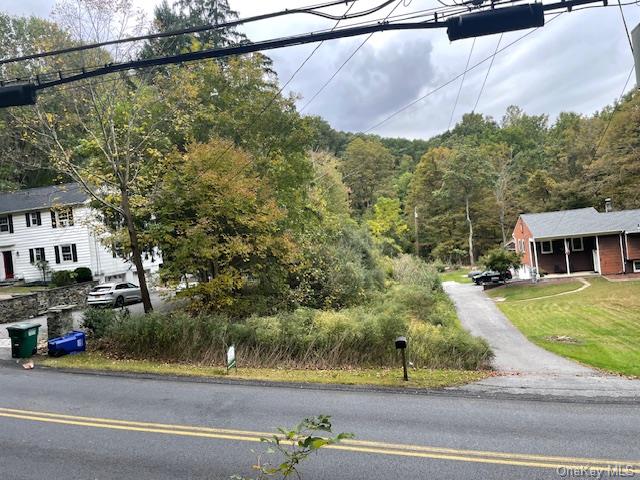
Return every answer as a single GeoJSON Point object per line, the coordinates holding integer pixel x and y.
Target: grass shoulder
{"type": "Point", "coordinates": [378, 377]}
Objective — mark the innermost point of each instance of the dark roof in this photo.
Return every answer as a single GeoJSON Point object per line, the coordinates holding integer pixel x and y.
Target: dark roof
{"type": "Point", "coordinates": [581, 222]}
{"type": "Point", "coordinates": [42, 197]}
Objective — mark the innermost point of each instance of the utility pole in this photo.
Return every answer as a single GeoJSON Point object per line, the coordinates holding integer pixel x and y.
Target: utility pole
{"type": "Point", "coordinates": [415, 226]}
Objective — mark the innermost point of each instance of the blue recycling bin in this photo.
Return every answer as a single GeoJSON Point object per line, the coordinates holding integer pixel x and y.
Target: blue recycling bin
{"type": "Point", "coordinates": [73, 342]}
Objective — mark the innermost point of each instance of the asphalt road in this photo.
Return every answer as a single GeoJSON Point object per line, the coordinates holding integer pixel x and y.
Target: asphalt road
{"type": "Point", "coordinates": [91, 434]}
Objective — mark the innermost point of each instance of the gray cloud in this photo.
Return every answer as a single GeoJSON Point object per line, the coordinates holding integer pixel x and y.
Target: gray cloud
{"type": "Point", "coordinates": [579, 63]}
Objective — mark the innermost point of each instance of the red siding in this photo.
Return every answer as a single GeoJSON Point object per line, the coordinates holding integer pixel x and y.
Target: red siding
{"type": "Point", "coordinates": [610, 255]}
{"type": "Point", "coordinates": [522, 232]}
{"type": "Point", "coordinates": [633, 246]}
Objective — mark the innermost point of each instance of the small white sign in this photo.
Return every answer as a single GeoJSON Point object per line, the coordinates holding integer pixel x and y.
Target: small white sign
{"type": "Point", "coordinates": [231, 357]}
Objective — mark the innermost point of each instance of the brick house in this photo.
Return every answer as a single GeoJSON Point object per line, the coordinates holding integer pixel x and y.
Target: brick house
{"type": "Point", "coordinates": [578, 241]}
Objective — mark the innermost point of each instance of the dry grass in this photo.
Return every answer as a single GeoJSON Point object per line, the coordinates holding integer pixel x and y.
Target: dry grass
{"type": "Point", "coordinates": [418, 378]}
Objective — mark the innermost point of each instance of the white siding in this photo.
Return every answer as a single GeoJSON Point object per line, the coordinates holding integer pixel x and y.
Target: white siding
{"type": "Point", "coordinates": [90, 252]}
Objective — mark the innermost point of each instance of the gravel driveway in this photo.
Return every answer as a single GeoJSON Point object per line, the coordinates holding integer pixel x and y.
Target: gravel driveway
{"type": "Point", "coordinates": [525, 367]}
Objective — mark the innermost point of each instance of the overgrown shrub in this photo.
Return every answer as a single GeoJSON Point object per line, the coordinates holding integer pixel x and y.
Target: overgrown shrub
{"type": "Point", "coordinates": [439, 265]}
{"type": "Point", "coordinates": [98, 320]}
{"type": "Point", "coordinates": [62, 278]}
{"type": "Point", "coordinates": [83, 274]}
{"type": "Point", "coordinates": [357, 336]}
{"type": "Point", "coordinates": [411, 270]}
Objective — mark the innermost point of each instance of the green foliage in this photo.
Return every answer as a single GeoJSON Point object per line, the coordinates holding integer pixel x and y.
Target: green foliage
{"type": "Point", "coordinates": [83, 274]}
{"type": "Point", "coordinates": [387, 226]}
{"type": "Point", "coordinates": [409, 270]}
{"type": "Point", "coordinates": [294, 446]}
{"type": "Point", "coordinates": [98, 320]}
{"type": "Point", "coordinates": [439, 265]}
{"type": "Point", "coordinates": [362, 335]}
{"type": "Point", "coordinates": [62, 278]}
{"type": "Point", "coordinates": [500, 260]}
{"type": "Point", "coordinates": [366, 166]}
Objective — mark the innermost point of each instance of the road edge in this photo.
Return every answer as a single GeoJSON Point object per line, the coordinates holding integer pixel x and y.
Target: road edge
{"type": "Point", "coordinates": [452, 392]}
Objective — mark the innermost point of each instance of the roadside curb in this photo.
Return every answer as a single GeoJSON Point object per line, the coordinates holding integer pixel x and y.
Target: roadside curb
{"type": "Point", "coordinates": [453, 392]}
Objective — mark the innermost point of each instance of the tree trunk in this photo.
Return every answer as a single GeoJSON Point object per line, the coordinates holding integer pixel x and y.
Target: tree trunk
{"type": "Point", "coordinates": [471, 258]}
{"type": "Point", "coordinates": [136, 254]}
{"type": "Point", "coordinates": [502, 227]}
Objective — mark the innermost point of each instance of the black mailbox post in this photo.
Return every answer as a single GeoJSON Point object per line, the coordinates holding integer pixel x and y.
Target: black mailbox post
{"type": "Point", "coordinates": [401, 344]}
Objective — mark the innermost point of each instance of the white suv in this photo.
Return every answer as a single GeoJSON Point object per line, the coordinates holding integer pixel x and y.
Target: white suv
{"type": "Point", "coordinates": [114, 294]}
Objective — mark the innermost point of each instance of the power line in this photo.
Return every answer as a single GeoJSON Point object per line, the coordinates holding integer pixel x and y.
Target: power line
{"type": "Point", "coordinates": [452, 80]}
{"type": "Point", "coordinates": [312, 10]}
{"type": "Point", "coordinates": [484, 82]}
{"type": "Point", "coordinates": [275, 96]}
{"type": "Point", "coordinates": [330, 79]}
{"type": "Point", "coordinates": [613, 113]}
{"type": "Point", "coordinates": [464, 75]}
{"type": "Point", "coordinates": [626, 28]}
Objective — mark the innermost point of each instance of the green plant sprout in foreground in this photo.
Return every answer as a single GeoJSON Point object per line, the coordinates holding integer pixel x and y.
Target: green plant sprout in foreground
{"type": "Point", "coordinates": [295, 446]}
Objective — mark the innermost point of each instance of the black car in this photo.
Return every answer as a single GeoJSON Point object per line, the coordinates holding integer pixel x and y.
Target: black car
{"type": "Point", "coordinates": [490, 276]}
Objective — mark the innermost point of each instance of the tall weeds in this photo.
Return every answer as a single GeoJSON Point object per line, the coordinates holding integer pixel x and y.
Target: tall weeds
{"type": "Point", "coordinates": [414, 306]}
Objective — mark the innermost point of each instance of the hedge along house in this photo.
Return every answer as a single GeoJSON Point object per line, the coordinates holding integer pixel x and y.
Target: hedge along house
{"type": "Point", "coordinates": [56, 225]}
{"type": "Point", "coordinates": [573, 242]}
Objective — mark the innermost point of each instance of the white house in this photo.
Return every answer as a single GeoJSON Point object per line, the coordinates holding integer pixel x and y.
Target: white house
{"type": "Point", "coordinates": [56, 224]}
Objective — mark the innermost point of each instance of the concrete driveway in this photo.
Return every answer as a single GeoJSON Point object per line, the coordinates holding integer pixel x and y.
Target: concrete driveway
{"type": "Point", "coordinates": [524, 367]}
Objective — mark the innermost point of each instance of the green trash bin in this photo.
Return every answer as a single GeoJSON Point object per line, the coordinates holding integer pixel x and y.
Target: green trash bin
{"type": "Point", "coordinates": [24, 339]}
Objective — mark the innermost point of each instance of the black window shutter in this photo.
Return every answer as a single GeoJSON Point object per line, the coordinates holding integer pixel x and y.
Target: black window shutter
{"type": "Point", "coordinates": [57, 252]}
{"type": "Point", "coordinates": [53, 221]}
{"type": "Point", "coordinates": [10, 223]}
{"type": "Point", "coordinates": [27, 216]}
{"type": "Point", "coordinates": [31, 257]}
{"type": "Point", "coordinates": [74, 252]}
{"type": "Point", "coordinates": [39, 218]}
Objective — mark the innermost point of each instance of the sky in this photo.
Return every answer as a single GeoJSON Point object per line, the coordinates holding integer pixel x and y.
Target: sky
{"type": "Point", "coordinates": [578, 62]}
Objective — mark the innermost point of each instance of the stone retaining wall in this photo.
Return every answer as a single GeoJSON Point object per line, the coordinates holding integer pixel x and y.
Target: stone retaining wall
{"type": "Point", "coordinates": [22, 307]}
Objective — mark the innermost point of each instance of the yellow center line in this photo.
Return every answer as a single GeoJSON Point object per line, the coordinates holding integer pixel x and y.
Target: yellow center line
{"type": "Point", "coordinates": [476, 456]}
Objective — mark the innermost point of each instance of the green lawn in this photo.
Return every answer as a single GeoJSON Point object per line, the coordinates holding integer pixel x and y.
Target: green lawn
{"type": "Point", "coordinates": [421, 378]}
{"type": "Point", "coordinates": [526, 292]}
{"type": "Point", "coordinates": [599, 326]}
{"type": "Point", "coordinates": [459, 275]}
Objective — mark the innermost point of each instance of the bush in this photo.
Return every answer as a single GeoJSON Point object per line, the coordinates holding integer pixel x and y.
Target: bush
{"type": "Point", "coordinates": [62, 278]}
{"type": "Point", "coordinates": [501, 260]}
{"type": "Point", "coordinates": [98, 320]}
{"type": "Point", "coordinates": [83, 274]}
{"type": "Point", "coordinates": [410, 270]}
{"type": "Point", "coordinates": [439, 265]}
{"type": "Point", "coordinates": [358, 336]}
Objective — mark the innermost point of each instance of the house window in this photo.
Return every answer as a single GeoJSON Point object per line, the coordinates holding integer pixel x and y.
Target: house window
{"type": "Point", "coordinates": [546, 247]}
{"type": "Point", "coordinates": [67, 254]}
{"type": "Point", "coordinates": [577, 245]}
{"type": "Point", "coordinates": [636, 266]}
{"type": "Point", "coordinates": [64, 217]}
{"type": "Point", "coordinates": [4, 224]}
{"type": "Point", "coordinates": [33, 219]}
{"type": "Point", "coordinates": [36, 255]}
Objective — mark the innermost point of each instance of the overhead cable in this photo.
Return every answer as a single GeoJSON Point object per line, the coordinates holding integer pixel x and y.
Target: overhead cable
{"type": "Point", "coordinates": [464, 75]}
